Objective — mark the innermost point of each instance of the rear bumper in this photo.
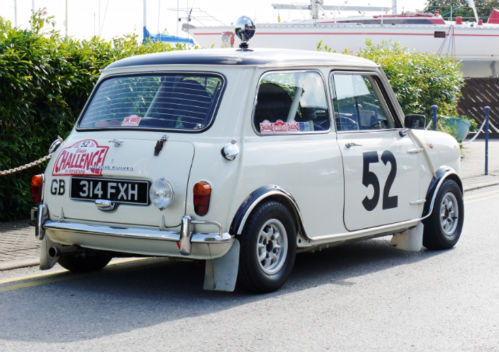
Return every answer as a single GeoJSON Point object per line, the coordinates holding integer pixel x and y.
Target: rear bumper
{"type": "Point", "coordinates": [141, 241]}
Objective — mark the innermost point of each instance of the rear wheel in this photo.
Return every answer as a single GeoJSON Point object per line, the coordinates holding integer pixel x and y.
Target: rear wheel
{"type": "Point", "coordinates": [268, 248]}
{"type": "Point", "coordinates": [443, 227]}
{"type": "Point", "coordinates": [85, 261]}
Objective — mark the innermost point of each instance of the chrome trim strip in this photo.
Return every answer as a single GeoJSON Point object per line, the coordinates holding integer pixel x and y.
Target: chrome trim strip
{"type": "Point", "coordinates": [367, 232]}
{"type": "Point", "coordinates": [146, 234]}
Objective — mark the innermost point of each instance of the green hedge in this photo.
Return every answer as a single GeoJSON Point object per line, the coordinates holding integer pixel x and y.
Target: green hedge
{"type": "Point", "coordinates": [419, 80]}
{"type": "Point", "coordinates": [44, 82]}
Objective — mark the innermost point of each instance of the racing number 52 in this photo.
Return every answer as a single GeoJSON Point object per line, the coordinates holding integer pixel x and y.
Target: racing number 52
{"type": "Point", "coordinates": [369, 178]}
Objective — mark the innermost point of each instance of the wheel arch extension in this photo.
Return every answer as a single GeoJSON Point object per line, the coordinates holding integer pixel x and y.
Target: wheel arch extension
{"type": "Point", "coordinates": [441, 174]}
{"type": "Point", "coordinates": [260, 195]}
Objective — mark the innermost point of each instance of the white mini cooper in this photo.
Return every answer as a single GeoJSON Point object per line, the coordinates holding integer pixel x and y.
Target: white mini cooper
{"type": "Point", "coordinates": [242, 157]}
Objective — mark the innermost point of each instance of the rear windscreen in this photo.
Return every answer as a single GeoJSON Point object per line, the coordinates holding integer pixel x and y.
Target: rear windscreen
{"type": "Point", "coordinates": [170, 101]}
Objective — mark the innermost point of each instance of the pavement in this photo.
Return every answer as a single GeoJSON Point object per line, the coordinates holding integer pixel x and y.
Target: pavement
{"type": "Point", "coordinates": [19, 247]}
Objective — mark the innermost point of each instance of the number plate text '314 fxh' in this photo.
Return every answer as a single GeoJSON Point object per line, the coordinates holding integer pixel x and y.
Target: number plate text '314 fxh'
{"type": "Point", "coordinates": [120, 191]}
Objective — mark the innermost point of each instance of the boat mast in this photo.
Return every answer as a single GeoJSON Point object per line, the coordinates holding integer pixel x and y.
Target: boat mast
{"type": "Point", "coordinates": [66, 19]}
{"type": "Point", "coordinates": [394, 7]}
{"type": "Point", "coordinates": [15, 13]}
{"type": "Point", "coordinates": [144, 19]}
{"type": "Point", "coordinates": [471, 3]}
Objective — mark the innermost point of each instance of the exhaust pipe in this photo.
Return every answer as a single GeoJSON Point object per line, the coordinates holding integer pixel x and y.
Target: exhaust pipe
{"type": "Point", "coordinates": [54, 252]}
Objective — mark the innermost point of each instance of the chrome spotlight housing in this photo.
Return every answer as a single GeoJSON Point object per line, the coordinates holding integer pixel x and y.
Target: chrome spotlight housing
{"type": "Point", "coordinates": [245, 30]}
{"type": "Point", "coordinates": [161, 193]}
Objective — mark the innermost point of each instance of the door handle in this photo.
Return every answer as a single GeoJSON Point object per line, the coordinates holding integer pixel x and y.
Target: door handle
{"type": "Point", "coordinates": [352, 144]}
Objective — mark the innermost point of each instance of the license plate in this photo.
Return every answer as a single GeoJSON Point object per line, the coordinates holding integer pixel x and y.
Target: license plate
{"type": "Point", "coordinates": [119, 191]}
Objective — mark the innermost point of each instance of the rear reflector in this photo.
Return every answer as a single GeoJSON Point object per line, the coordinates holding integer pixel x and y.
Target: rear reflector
{"type": "Point", "coordinates": [36, 188]}
{"type": "Point", "coordinates": [202, 195]}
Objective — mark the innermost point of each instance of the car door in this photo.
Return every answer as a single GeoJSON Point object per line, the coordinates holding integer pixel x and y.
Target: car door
{"type": "Point", "coordinates": [381, 163]}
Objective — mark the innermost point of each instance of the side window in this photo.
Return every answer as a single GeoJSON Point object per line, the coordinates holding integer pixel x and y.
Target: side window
{"type": "Point", "coordinates": [358, 103]}
{"type": "Point", "coordinates": [291, 102]}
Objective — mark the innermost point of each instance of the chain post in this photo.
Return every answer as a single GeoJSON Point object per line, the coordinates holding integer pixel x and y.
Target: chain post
{"type": "Point", "coordinates": [487, 111]}
{"type": "Point", "coordinates": [434, 109]}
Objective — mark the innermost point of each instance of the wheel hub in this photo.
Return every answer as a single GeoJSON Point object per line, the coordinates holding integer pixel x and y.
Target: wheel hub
{"type": "Point", "coordinates": [449, 214]}
{"type": "Point", "coordinates": [272, 246]}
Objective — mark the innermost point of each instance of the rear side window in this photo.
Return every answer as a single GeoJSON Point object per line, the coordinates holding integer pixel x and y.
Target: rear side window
{"type": "Point", "coordinates": [291, 102]}
{"type": "Point", "coordinates": [172, 101]}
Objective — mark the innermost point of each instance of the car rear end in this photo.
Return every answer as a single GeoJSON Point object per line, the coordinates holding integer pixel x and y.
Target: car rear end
{"type": "Point", "coordinates": [121, 181]}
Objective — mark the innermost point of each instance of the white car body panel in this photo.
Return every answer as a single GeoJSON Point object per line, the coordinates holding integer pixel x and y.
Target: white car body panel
{"type": "Point", "coordinates": [400, 192]}
{"type": "Point", "coordinates": [132, 160]}
{"type": "Point", "coordinates": [316, 185]}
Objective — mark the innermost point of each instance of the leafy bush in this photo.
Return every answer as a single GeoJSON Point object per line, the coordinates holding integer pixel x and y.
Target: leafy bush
{"type": "Point", "coordinates": [44, 82]}
{"type": "Point", "coordinates": [419, 80]}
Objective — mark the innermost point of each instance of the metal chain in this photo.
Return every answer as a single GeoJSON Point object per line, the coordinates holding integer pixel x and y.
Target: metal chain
{"type": "Point", "coordinates": [25, 166]}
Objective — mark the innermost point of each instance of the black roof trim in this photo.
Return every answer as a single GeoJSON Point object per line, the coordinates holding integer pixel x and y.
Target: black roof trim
{"type": "Point", "coordinates": [239, 57]}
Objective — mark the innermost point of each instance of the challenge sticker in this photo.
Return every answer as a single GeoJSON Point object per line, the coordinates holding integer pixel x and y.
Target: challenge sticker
{"type": "Point", "coordinates": [85, 157]}
{"type": "Point", "coordinates": [131, 121]}
{"type": "Point", "coordinates": [267, 127]}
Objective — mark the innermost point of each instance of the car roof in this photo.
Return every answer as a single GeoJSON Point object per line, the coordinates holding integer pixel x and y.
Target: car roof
{"type": "Point", "coordinates": [238, 57]}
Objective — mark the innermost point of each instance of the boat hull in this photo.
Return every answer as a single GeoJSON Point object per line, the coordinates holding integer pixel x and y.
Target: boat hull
{"type": "Point", "coordinates": [476, 46]}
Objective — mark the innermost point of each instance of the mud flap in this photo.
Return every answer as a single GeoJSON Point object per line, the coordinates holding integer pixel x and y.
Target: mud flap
{"type": "Point", "coordinates": [221, 274]}
{"type": "Point", "coordinates": [409, 240]}
{"type": "Point", "coordinates": [46, 261]}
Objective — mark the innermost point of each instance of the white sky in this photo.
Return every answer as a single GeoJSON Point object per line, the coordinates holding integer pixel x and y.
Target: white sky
{"type": "Point", "coordinates": [111, 18]}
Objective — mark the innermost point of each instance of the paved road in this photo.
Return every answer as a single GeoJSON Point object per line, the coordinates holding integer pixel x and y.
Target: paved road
{"type": "Point", "coordinates": [365, 296]}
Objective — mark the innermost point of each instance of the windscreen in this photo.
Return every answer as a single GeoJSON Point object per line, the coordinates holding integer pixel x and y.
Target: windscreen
{"type": "Point", "coordinates": [171, 101]}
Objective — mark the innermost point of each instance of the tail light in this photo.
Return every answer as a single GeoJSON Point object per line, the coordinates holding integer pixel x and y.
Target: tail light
{"type": "Point", "coordinates": [36, 188]}
{"type": "Point", "coordinates": [202, 195]}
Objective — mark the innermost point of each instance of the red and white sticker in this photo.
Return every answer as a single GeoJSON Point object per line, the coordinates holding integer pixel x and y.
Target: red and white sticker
{"type": "Point", "coordinates": [131, 121]}
{"type": "Point", "coordinates": [267, 127]}
{"type": "Point", "coordinates": [85, 157]}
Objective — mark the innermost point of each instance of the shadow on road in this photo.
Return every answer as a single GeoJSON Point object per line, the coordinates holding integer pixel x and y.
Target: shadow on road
{"type": "Point", "coordinates": [138, 295]}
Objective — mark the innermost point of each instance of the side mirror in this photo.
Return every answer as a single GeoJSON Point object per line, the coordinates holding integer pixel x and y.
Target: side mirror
{"type": "Point", "coordinates": [416, 121]}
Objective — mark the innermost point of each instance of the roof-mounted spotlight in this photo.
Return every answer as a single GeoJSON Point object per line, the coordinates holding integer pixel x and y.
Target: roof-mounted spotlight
{"type": "Point", "coordinates": [245, 30]}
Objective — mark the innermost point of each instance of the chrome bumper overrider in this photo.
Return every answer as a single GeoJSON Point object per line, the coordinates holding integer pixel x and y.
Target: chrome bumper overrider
{"type": "Point", "coordinates": [139, 240]}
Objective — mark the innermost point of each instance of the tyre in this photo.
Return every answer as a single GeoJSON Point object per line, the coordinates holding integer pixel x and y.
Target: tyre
{"type": "Point", "coordinates": [84, 262]}
{"type": "Point", "coordinates": [442, 228]}
{"type": "Point", "coordinates": [268, 248]}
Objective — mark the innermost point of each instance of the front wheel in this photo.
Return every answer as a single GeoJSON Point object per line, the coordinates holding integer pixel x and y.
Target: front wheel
{"type": "Point", "coordinates": [268, 248]}
{"type": "Point", "coordinates": [443, 227]}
